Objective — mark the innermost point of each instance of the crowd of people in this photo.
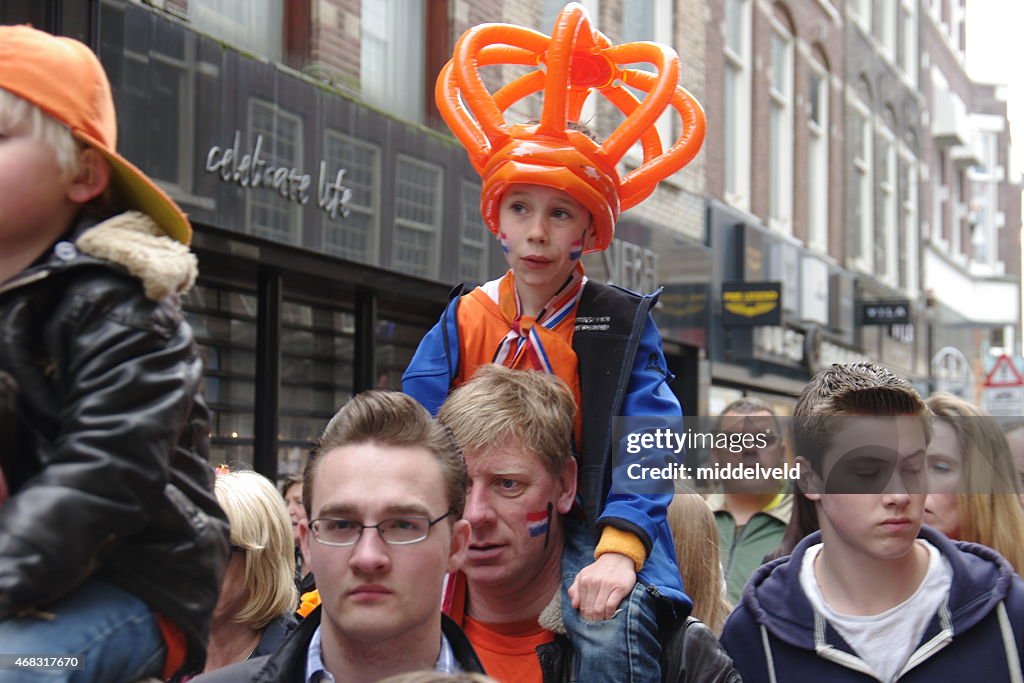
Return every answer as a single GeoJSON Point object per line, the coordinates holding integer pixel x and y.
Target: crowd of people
{"type": "Point", "coordinates": [478, 525]}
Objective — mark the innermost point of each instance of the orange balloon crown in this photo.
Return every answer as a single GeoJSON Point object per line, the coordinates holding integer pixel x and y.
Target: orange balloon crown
{"type": "Point", "coordinates": [572, 62]}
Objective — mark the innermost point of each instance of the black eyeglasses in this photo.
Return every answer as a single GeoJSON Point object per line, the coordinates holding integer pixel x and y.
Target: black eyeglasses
{"type": "Point", "coordinates": [394, 531]}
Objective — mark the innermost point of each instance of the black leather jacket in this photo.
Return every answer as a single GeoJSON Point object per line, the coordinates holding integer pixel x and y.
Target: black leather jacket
{"type": "Point", "coordinates": [690, 653]}
{"type": "Point", "coordinates": [110, 478]}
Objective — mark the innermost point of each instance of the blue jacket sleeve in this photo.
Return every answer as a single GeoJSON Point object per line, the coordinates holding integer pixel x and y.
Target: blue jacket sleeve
{"type": "Point", "coordinates": [648, 395]}
{"type": "Point", "coordinates": [435, 364]}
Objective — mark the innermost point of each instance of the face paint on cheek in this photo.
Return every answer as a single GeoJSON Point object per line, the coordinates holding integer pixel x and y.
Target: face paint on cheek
{"type": "Point", "coordinates": [501, 240]}
{"type": "Point", "coordinates": [576, 250]}
{"type": "Point", "coordinates": [540, 523]}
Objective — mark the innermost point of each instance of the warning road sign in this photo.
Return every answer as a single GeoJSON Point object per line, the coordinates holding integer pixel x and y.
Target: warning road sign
{"type": "Point", "coordinates": [1004, 374]}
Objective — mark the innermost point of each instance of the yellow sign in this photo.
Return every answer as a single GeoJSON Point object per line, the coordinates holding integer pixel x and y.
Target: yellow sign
{"type": "Point", "coordinates": [752, 303]}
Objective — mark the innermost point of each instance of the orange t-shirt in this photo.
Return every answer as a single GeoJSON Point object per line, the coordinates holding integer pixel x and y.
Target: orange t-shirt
{"type": "Point", "coordinates": [508, 651]}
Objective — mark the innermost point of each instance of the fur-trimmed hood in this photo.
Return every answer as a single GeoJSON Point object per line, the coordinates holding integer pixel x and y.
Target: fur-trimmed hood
{"type": "Point", "coordinates": [134, 240]}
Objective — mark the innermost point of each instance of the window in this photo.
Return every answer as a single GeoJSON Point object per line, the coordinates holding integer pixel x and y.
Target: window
{"type": "Point", "coordinates": [781, 130]}
{"type": "Point", "coordinates": [418, 193]}
{"type": "Point", "coordinates": [650, 20]}
{"type": "Point", "coordinates": [268, 213]}
{"type": "Point", "coordinates": [888, 22]}
{"type": "Point", "coordinates": [862, 13]}
{"type": "Point", "coordinates": [737, 102]}
{"type": "Point", "coordinates": [224, 322]}
{"type": "Point", "coordinates": [887, 186]}
{"type": "Point", "coordinates": [862, 171]}
{"type": "Point", "coordinates": [158, 59]}
{"type": "Point", "coordinates": [392, 56]}
{"type": "Point", "coordinates": [908, 45]}
{"type": "Point", "coordinates": [253, 25]}
{"type": "Point", "coordinates": [817, 158]}
{"type": "Point", "coordinates": [940, 196]}
{"type": "Point", "coordinates": [909, 252]}
{"type": "Point", "coordinates": [474, 236]}
{"type": "Point", "coordinates": [354, 237]}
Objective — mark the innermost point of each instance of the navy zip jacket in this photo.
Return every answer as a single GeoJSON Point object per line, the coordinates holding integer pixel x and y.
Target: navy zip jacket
{"type": "Point", "coordinates": [976, 635]}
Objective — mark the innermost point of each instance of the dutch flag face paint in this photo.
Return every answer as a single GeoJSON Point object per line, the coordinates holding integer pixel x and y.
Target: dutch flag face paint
{"type": "Point", "coordinates": [502, 237]}
{"type": "Point", "coordinates": [576, 250]}
{"type": "Point", "coordinates": [537, 523]}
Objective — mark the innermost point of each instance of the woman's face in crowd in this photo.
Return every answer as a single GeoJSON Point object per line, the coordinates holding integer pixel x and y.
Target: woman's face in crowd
{"type": "Point", "coordinates": [945, 477]}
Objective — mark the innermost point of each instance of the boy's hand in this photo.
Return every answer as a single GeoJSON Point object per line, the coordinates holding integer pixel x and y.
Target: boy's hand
{"type": "Point", "coordinates": [601, 586]}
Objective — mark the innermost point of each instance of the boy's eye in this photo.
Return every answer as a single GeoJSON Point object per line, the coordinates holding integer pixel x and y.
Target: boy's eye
{"type": "Point", "coordinates": [561, 214]}
{"type": "Point", "coordinates": [517, 207]}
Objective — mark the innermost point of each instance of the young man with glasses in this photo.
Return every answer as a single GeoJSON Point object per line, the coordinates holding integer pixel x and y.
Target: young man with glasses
{"type": "Point", "coordinates": [751, 514]}
{"type": "Point", "coordinates": [384, 492]}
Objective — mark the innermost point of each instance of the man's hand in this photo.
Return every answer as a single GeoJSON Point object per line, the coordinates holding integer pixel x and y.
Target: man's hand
{"type": "Point", "coordinates": [601, 586]}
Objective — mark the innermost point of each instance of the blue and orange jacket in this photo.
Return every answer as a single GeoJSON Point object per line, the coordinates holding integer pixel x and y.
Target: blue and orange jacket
{"type": "Point", "coordinates": [622, 372]}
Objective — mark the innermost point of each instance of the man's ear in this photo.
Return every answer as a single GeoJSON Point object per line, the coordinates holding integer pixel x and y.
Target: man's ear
{"type": "Point", "coordinates": [809, 482]}
{"type": "Point", "coordinates": [304, 539]}
{"type": "Point", "coordinates": [92, 178]}
{"type": "Point", "coordinates": [567, 484]}
{"type": "Point", "coordinates": [460, 545]}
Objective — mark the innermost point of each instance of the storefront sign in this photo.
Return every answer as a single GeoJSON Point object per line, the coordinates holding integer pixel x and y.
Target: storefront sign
{"type": "Point", "coordinates": [631, 266]}
{"type": "Point", "coordinates": [250, 170]}
{"type": "Point", "coordinates": [751, 303]}
{"type": "Point", "coordinates": [896, 312]}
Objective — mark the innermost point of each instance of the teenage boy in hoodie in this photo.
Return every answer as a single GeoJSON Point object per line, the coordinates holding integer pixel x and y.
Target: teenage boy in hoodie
{"type": "Point", "coordinates": [874, 596]}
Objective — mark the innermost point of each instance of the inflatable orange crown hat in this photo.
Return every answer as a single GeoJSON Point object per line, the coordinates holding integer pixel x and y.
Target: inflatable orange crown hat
{"type": "Point", "coordinates": [569, 64]}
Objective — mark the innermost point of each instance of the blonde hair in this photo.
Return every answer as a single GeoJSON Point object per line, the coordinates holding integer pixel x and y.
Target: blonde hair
{"type": "Point", "coordinates": [260, 524]}
{"type": "Point", "coordinates": [498, 403]}
{"type": "Point", "coordinates": [16, 111]}
{"type": "Point", "coordinates": [696, 539]}
{"type": "Point", "coordinates": [390, 418]}
{"type": "Point", "coordinates": [438, 677]}
{"type": "Point", "coordinates": [988, 499]}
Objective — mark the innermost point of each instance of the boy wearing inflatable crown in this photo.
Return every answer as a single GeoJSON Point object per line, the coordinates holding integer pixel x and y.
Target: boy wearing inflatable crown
{"type": "Point", "coordinates": [550, 194]}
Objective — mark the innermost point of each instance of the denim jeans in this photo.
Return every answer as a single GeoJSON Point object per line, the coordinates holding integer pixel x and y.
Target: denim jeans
{"type": "Point", "coordinates": [115, 634]}
{"type": "Point", "coordinates": [622, 649]}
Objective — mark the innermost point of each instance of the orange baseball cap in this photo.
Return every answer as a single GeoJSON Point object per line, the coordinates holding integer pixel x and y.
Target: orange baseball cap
{"type": "Point", "coordinates": [64, 78]}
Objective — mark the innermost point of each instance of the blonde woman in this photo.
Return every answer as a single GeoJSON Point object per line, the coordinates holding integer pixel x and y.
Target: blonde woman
{"type": "Point", "coordinates": [257, 596]}
{"type": "Point", "coordinates": [973, 486]}
{"type": "Point", "coordinates": [696, 540]}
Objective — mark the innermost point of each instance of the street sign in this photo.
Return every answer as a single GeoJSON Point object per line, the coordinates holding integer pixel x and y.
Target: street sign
{"type": "Point", "coordinates": [896, 312]}
{"type": "Point", "coordinates": [1004, 374]}
{"type": "Point", "coordinates": [1003, 401]}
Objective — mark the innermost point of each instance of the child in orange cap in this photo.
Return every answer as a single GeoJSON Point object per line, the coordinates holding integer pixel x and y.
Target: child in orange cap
{"type": "Point", "coordinates": [112, 545]}
{"type": "Point", "coordinates": [550, 194]}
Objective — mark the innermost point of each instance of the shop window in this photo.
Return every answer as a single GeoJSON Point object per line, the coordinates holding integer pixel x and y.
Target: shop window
{"type": "Point", "coordinates": [269, 214]}
{"type": "Point", "coordinates": [392, 55]}
{"type": "Point", "coordinates": [418, 192]}
{"type": "Point", "coordinates": [317, 354]}
{"type": "Point", "coordinates": [224, 323]}
{"type": "Point", "coordinates": [354, 236]}
{"type": "Point", "coordinates": [474, 236]}
{"type": "Point", "coordinates": [395, 341]}
{"type": "Point", "coordinates": [253, 25]}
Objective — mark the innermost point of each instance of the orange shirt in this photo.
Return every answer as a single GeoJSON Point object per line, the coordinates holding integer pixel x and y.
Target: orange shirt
{"type": "Point", "coordinates": [508, 651]}
{"type": "Point", "coordinates": [482, 326]}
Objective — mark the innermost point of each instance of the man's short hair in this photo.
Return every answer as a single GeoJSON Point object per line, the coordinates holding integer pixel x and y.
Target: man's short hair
{"type": "Point", "coordinates": [390, 418]}
{"type": "Point", "coordinates": [844, 390]}
{"type": "Point", "coordinates": [748, 405]}
{"type": "Point", "coordinates": [16, 112]}
{"type": "Point", "coordinates": [260, 525]}
{"type": "Point", "coordinates": [535, 408]}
